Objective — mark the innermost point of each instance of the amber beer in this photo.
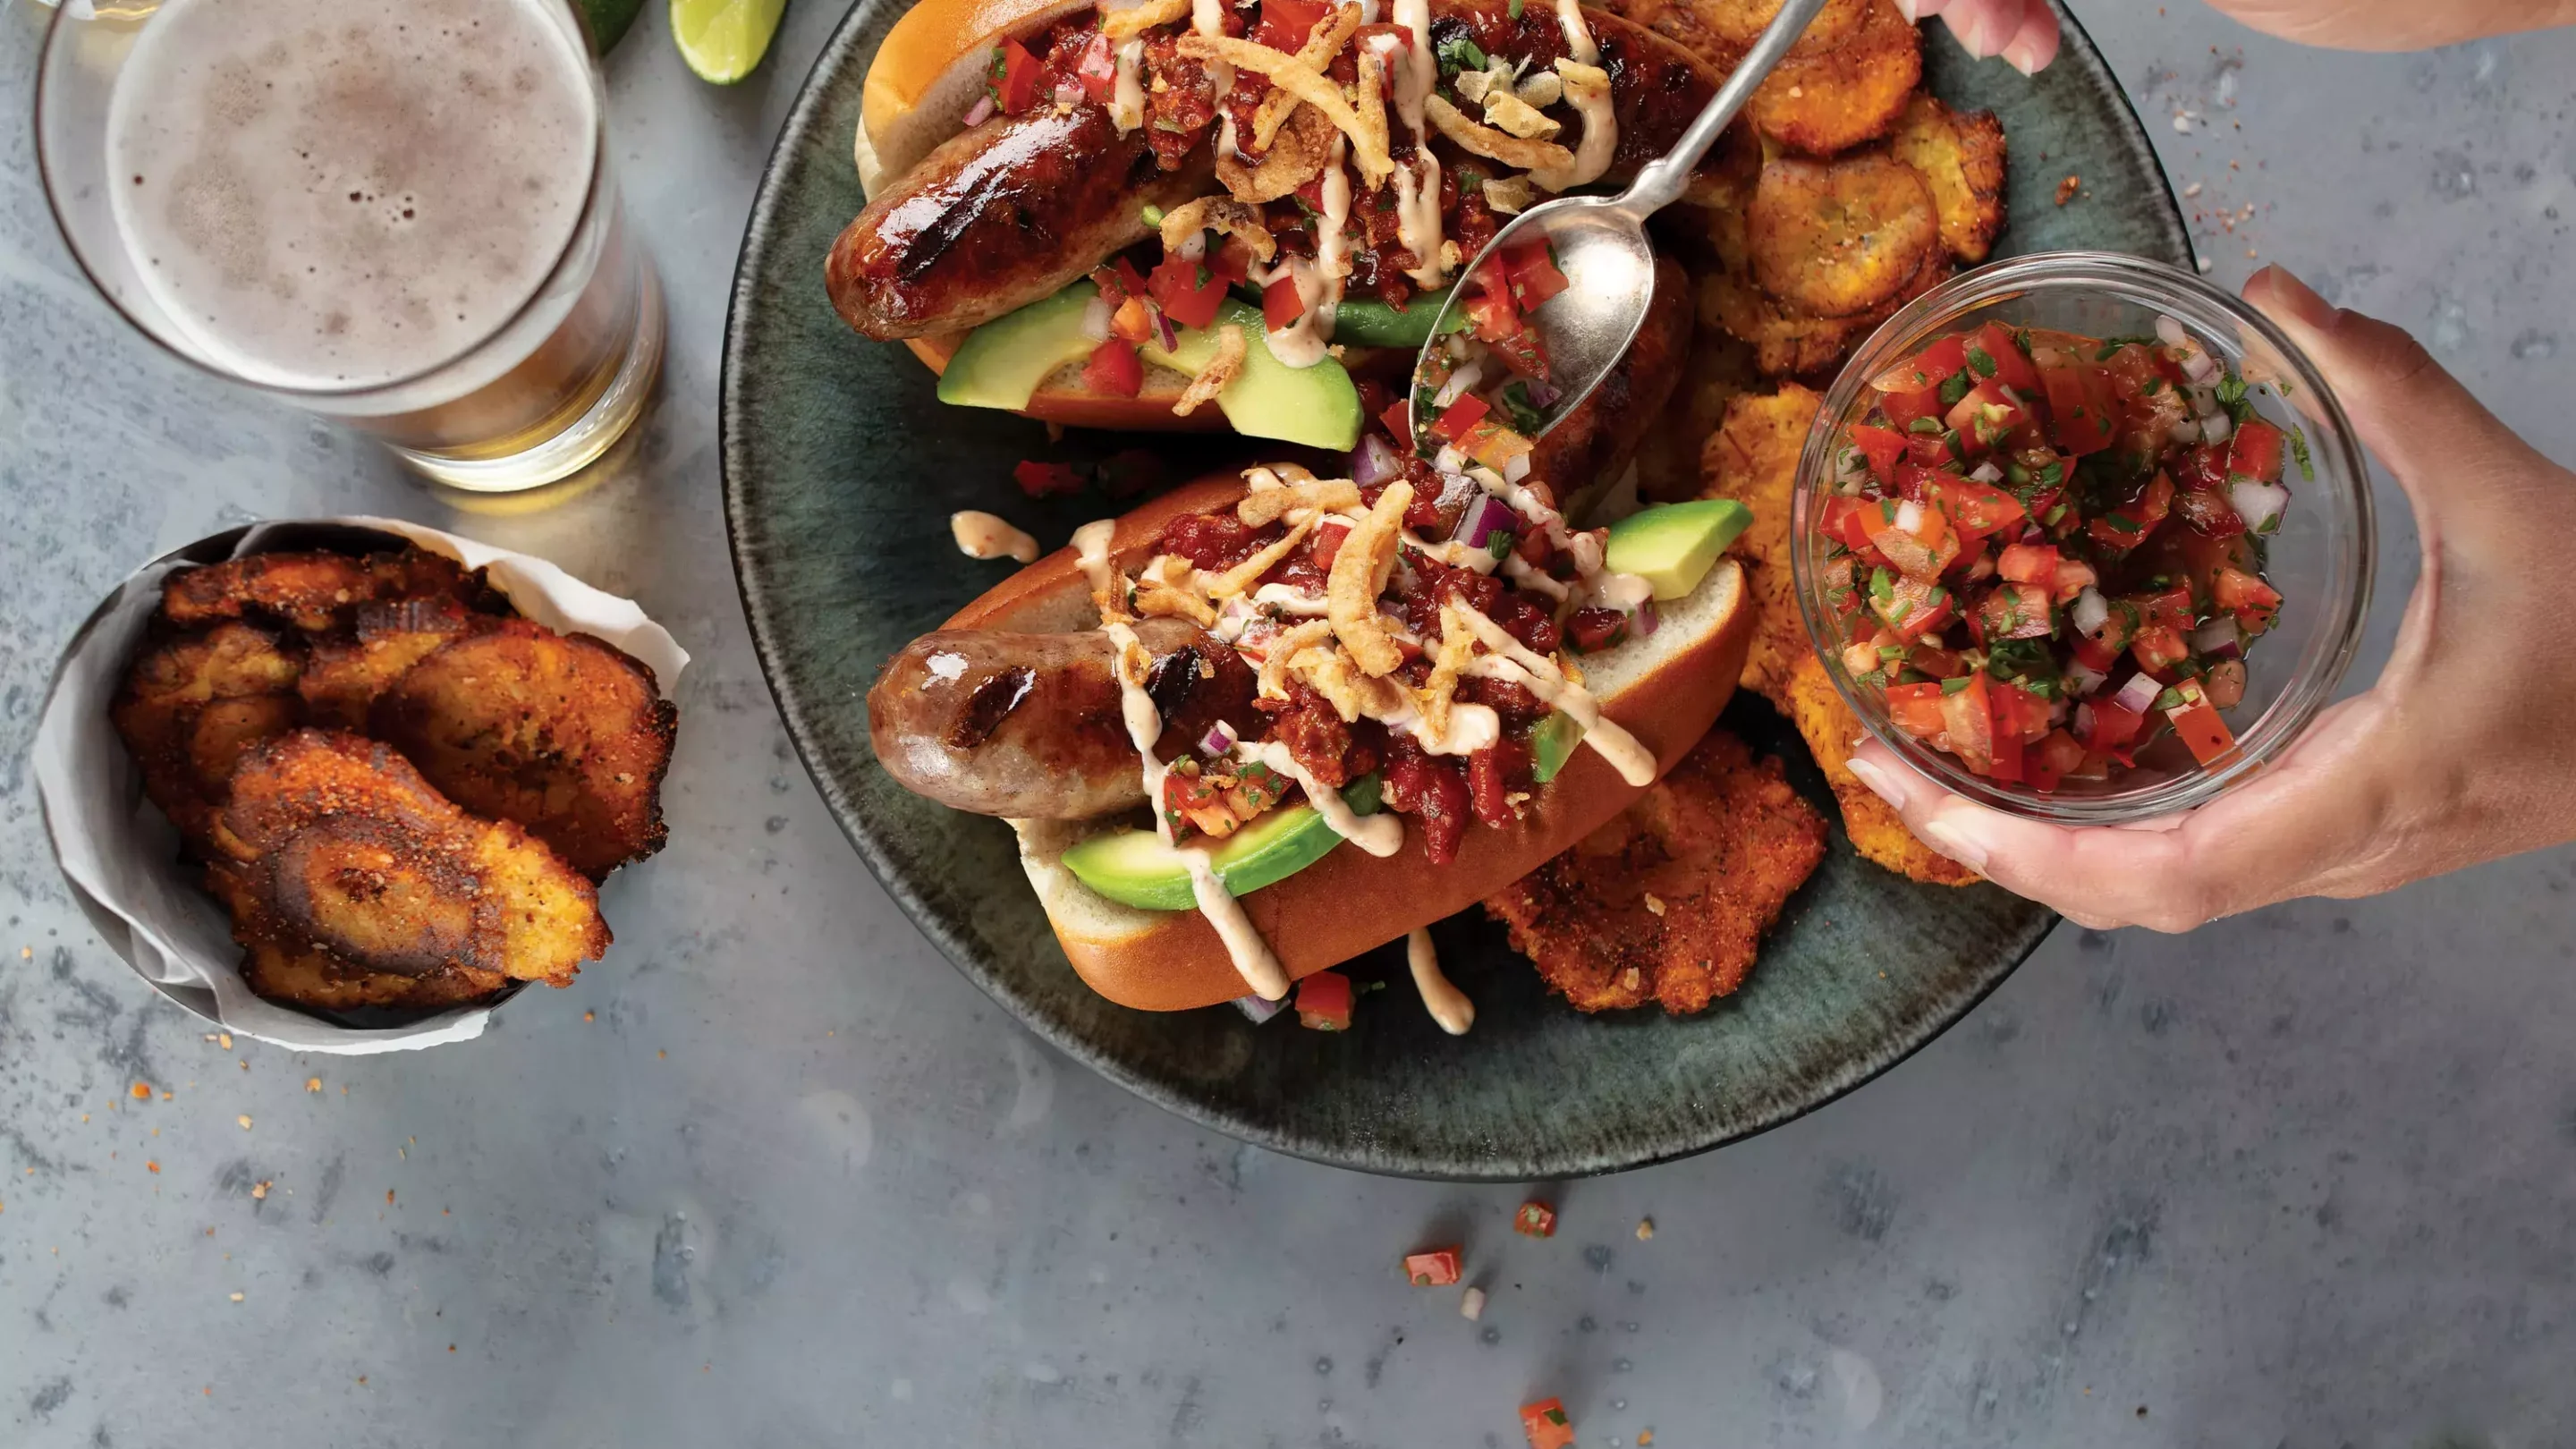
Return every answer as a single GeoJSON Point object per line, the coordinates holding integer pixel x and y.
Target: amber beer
{"type": "Point", "coordinates": [396, 213]}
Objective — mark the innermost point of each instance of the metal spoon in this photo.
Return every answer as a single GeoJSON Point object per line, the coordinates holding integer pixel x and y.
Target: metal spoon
{"type": "Point", "coordinates": [1601, 247]}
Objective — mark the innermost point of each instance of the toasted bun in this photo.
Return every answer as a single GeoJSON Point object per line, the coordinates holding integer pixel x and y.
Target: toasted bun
{"type": "Point", "coordinates": [928, 72]}
{"type": "Point", "coordinates": [1667, 689]}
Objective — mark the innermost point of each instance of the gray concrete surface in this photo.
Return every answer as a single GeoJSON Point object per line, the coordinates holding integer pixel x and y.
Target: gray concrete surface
{"type": "Point", "coordinates": [2300, 1179]}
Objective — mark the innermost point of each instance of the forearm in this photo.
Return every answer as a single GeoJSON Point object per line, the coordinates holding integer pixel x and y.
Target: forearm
{"type": "Point", "coordinates": [2396, 24]}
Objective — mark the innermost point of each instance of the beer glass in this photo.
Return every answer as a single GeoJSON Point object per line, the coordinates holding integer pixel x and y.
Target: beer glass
{"type": "Point", "coordinates": [399, 216]}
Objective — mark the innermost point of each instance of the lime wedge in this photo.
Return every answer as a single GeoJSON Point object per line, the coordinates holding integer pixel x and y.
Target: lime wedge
{"type": "Point", "coordinates": [723, 40]}
{"type": "Point", "coordinates": [609, 20]}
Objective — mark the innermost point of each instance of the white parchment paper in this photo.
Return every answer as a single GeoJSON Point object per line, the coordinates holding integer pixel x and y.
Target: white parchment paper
{"type": "Point", "coordinates": [121, 855]}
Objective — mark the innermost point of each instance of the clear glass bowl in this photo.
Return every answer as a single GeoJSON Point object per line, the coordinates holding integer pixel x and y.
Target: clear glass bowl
{"type": "Point", "coordinates": [2321, 557]}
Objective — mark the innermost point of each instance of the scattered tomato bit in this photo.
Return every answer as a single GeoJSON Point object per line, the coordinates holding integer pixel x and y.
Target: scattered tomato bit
{"type": "Point", "coordinates": [389, 1197]}
{"type": "Point", "coordinates": [259, 1190]}
{"type": "Point", "coordinates": [1046, 480]}
{"type": "Point", "coordinates": [1645, 1229]}
{"type": "Point", "coordinates": [151, 1166]}
{"type": "Point", "coordinates": [1471, 1305]}
{"type": "Point", "coordinates": [1324, 1001]}
{"type": "Point", "coordinates": [590, 1016]}
{"type": "Point", "coordinates": [313, 1084]}
{"type": "Point", "coordinates": [1546, 1424]}
{"type": "Point", "coordinates": [1644, 1436]}
{"type": "Point", "coordinates": [2067, 188]}
{"type": "Point", "coordinates": [143, 1091]}
{"type": "Point", "coordinates": [224, 1039]}
{"type": "Point", "coordinates": [1435, 1269]}
{"type": "Point", "coordinates": [244, 1120]}
{"type": "Point", "coordinates": [1535, 1220]}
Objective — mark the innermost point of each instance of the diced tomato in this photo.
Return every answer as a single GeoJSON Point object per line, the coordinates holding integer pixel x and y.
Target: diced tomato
{"type": "Point", "coordinates": [1903, 409]}
{"type": "Point", "coordinates": [2074, 576]}
{"type": "Point", "coordinates": [2256, 452]}
{"type": "Point", "coordinates": [1882, 446]}
{"type": "Point", "coordinates": [1459, 416]}
{"type": "Point", "coordinates": [2029, 563]}
{"type": "Point", "coordinates": [1232, 260]}
{"type": "Point", "coordinates": [1022, 75]}
{"type": "Point", "coordinates": [2196, 723]}
{"type": "Point", "coordinates": [2158, 649]}
{"type": "Point", "coordinates": [1547, 1425]}
{"type": "Point", "coordinates": [1925, 370]}
{"type": "Point", "coordinates": [1437, 1268]}
{"type": "Point", "coordinates": [2165, 609]}
{"type": "Point", "coordinates": [2054, 758]}
{"type": "Point", "coordinates": [1975, 508]}
{"type": "Point", "coordinates": [2094, 656]}
{"type": "Point", "coordinates": [2080, 406]}
{"type": "Point", "coordinates": [1921, 552]}
{"type": "Point", "coordinates": [1914, 607]}
{"type": "Point", "coordinates": [1915, 481]}
{"type": "Point", "coordinates": [1046, 480]}
{"type": "Point", "coordinates": [2202, 469]}
{"type": "Point", "coordinates": [2012, 367]}
{"type": "Point", "coordinates": [1286, 24]}
{"type": "Point", "coordinates": [1915, 709]}
{"type": "Point", "coordinates": [1534, 275]}
{"type": "Point", "coordinates": [1984, 418]}
{"type": "Point", "coordinates": [1494, 445]}
{"type": "Point", "coordinates": [2006, 761]}
{"type": "Point", "coordinates": [2150, 406]}
{"type": "Point", "coordinates": [2014, 611]}
{"type": "Point", "coordinates": [1328, 541]}
{"type": "Point", "coordinates": [2254, 603]}
{"type": "Point", "coordinates": [1967, 715]}
{"type": "Point", "coordinates": [1114, 370]}
{"type": "Point", "coordinates": [1324, 1003]}
{"type": "Point", "coordinates": [1933, 450]}
{"type": "Point", "coordinates": [1280, 304]}
{"type": "Point", "coordinates": [1398, 418]}
{"type": "Point", "coordinates": [2127, 526]}
{"type": "Point", "coordinates": [1098, 69]}
{"type": "Point", "coordinates": [1939, 663]}
{"type": "Point", "coordinates": [1847, 520]}
{"type": "Point", "coordinates": [2208, 513]}
{"type": "Point", "coordinates": [2114, 726]}
{"type": "Point", "coordinates": [1535, 1220]}
{"type": "Point", "coordinates": [2018, 713]}
{"type": "Point", "coordinates": [1186, 293]}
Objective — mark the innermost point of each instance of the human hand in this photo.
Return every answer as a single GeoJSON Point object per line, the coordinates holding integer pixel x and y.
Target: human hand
{"type": "Point", "coordinates": [2461, 753]}
{"type": "Point", "coordinates": [2024, 32]}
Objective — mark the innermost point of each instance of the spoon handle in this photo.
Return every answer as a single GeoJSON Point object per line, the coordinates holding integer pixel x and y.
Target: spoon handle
{"type": "Point", "coordinates": [1660, 182]}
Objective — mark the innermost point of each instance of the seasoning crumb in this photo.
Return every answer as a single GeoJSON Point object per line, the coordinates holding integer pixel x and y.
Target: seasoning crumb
{"type": "Point", "coordinates": [244, 1120]}
{"type": "Point", "coordinates": [237, 1298]}
{"type": "Point", "coordinates": [2207, 265]}
{"type": "Point", "coordinates": [1471, 1305]}
{"type": "Point", "coordinates": [1645, 1229]}
{"type": "Point", "coordinates": [1645, 1437]}
{"type": "Point", "coordinates": [2191, 191]}
{"type": "Point", "coordinates": [259, 1190]}
{"type": "Point", "coordinates": [362, 1378]}
{"type": "Point", "coordinates": [224, 1039]}
{"type": "Point", "coordinates": [1654, 903]}
{"type": "Point", "coordinates": [313, 1084]}
{"type": "Point", "coordinates": [389, 1197]}
{"type": "Point", "coordinates": [590, 1016]}
{"type": "Point", "coordinates": [2067, 188]}
{"type": "Point", "coordinates": [165, 1092]}
{"type": "Point", "coordinates": [151, 1166]}
{"type": "Point", "coordinates": [143, 1091]}
{"type": "Point", "coordinates": [661, 1056]}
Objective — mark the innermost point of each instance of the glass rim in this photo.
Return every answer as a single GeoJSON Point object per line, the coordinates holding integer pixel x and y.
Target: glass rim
{"type": "Point", "coordinates": [593, 197]}
{"type": "Point", "coordinates": [2343, 478]}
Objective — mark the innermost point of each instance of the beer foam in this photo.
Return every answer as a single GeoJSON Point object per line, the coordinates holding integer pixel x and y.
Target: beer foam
{"type": "Point", "coordinates": [328, 196]}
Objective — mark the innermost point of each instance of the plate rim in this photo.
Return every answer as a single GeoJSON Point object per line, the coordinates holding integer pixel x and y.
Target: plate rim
{"type": "Point", "coordinates": [733, 466]}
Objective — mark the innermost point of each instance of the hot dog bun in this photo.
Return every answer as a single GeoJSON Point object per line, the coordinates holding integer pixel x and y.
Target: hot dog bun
{"type": "Point", "coordinates": [928, 72]}
{"type": "Point", "coordinates": [1667, 689]}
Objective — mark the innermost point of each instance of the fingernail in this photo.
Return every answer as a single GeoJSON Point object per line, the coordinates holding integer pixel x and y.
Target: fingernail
{"type": "Point", "coordinates": [1906, 9]}
{"type": "Point", "coordinates": [1957, 841]}
{"type": "Point", "coordinates": [2298, 298]}
{"type": "Point", "coordinates": [1970, 31]}
{"type": "Point", "coordinates": [1881, 783]}
{"type": "Point", "coordinates": [2023, 56]}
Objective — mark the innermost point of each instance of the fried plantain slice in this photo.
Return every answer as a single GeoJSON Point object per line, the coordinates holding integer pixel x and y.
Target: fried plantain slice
{"type": "Point", "coordinates": [312, 591]}
{"type": "Point", "coordinates": [1839, 238]}
{"type": "Point", "coordinates": [1877, 832]}
{"type": "Point", "coordinates": [562, 733]}
{"type": "Point", "coordinates": [350, 850]}
{"type": "Point", "coordinates": [1961, 157]}
{"type": "Point", "coordinates": [342, 677]}
{"type": "Point", "coordinates": [1828, 103]}
{"type": "Point", "coordinates": [285, 967]}
{"type": "Point", "coordinates": [1790, 343]}
{"type": "Point", "coordinates": [191, 704]}
{"type": "Point", "coordinates": [1739, 23]}
{"type": "Point", "coordinates": [1668, 902]}
{"type": "Point", "coordinates": [1753, 459]}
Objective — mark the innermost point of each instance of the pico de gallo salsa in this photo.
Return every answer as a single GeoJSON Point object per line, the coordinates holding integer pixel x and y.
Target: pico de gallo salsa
{"type": "Point", "coordinates": [2046, 549]}
{"type": "Point", "coordinates": [1485, 392]}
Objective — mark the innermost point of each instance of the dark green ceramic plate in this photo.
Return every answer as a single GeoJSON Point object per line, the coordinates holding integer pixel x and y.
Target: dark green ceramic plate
{"type": "Point", "coordinates": [840, 472]}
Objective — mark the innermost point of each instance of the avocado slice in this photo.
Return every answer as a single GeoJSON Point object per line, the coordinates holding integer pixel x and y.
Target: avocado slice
{"type": "Point", "coordinates": [1135, 867]}
{"type": "Point", "coordinates": [1552, 744]}
{"type": "Point", "coordinates": [1001, 363]}
{"type": "Point", "coordinates": [1315, 405]}
{"type": "Point", "coordinates": [1368, 322]}
{"type": "Point", "coordinates": [1673, 546]}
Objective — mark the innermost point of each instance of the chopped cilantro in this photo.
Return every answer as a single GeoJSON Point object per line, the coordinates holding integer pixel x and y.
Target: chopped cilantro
{"type": "Point", "coordinates": [1153, 215]}
{"type": "Point", "coordinates": [2299, 450]}
{"type": "Point", "coordinates": [1459, 53]}
{"type": "Point", "coordinates": [1879, 587]}
{"type": "Point", "coordinates": [1515, 9]}
{"type": "Point", "coordinates": [1955, 686]}
{"type": "Point", "coordinates": [2016, 475]}
{"type": "Point", "coordinates": [2021, 339]}
{"type": "Point", "coordinates": [2051, 474]}
{"type": "Point", "coordinates": [1929, 427]}
{"type": "Point", "coordinates": [1875, 679]}
{"type": "Point", "coordinates": [1955, 388]}
{"type": "Point", "coordinates": [1982, 360]}
{"type": "Point", "coordinates": [1526, 417]}
{"type": "Point", "coordinates": [2054, 514]}
{"type": "Point", "coordinates": [2008, 658]}
{"type": "Point", "coordinates": [2170, 699]}
{"type": "Point", "coordinates": [2121, 524]}
{"type": "Point", "coordinates": [1890, 653]}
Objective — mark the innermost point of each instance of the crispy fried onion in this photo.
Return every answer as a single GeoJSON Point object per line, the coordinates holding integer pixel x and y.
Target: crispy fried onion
{"type": "Point", "coordinates": [1510, 195]}
{"type": "Point", "coordinates": [1122, 26]}
{"type": "Point", "coordinates": [1218, 214]}
{"type": "Point", "coordinates": [1309, 85]}
{"type": "Point", "coordinates": [1587, 89]}
{"type": "Point", "coordinates": [1158, 596]}
{"type": "Point", "coordinates": [1359, 571]}
{"type": "Point", "coordinates": [1265, 505]}
{"type": "Point", "coordinates": [1247, 573]}
{"type": "Point", "coordinates": [1493, 145]}
{"type": "Point", "coordinates": [1457, 649]}
{"type": "Point", "coordinates": [1372, 107]}
{"type": "Point", "coordinates": [1287, 646]}
{"type": "Point", "coordinates": [1295, 158]}
{"type": "Point", "coordinates": [1230, 351]}
{"type": "Point", "coordinates": [1317, 53]}
{"type": "Point", "coordinates": [1351, 691]}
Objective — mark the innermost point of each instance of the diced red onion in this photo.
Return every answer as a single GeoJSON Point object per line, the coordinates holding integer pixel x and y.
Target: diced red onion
{"type": "Point", "coordinates": [1164, 331]}
{"type": "Point", "coordinates": [1909, 515]}
{"type": "Point", "coordinates": [1375, 461]}
{"type": "Point", "coordinates": [1987, 472]}
{"type": "Point", "coordinates": [1067, 93]}
{"type": "Point", "coordinates": [2092, 611]}
{"type": "Point", "coordinates": [2204, 400]}
{"type": "Point", "coordinates": [1194, 248]}
{"type": "Point", "coordinates": [1516, 468]}
{"type": "Point", "coordinates": [1095, 318]}
{"type": "Point", "coordinates": [1486, 516]}
{"type": "Point", "coordinates": [1851, 469]}
{"type": "Point", "coordinates": [2200, 367]}
{"type": "Point", "coordinates": [2084, 721]}
{"type": "Point", "coordinates": [2085, 678]}
{"type": "Point", "coordinates": [2217, 428]}
{"type": "Point", "coordinates": [2169, 332]}
{"type": "Point", "coordinates": [2217, 639]}
{"type": "Point", "coordinates": [1219, 741]}
{"type": "Point", "coordinates": [982, 112]}
{"type": "Point", "coordinates": [2185, 432]}
{"type": "Point", "coordinates": [1258, 1010]}
{"type": "Point", "coordinates": [2138, 693]}
{"type": "Point", "coordinates": [1540, 394]}
{"type": "Point", "coordinates": [2259, 504]}
{"type": "Point", "coordinates": [1449, 459]}
{"type": "Point", "coordinates": [1458, 384]}
{"type": "Point", "coordinates": [1647, 620]}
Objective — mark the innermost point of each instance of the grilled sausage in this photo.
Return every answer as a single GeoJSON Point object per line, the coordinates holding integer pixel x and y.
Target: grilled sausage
{"type": "Point", "coordinates": [1029, 725]}
{"type": "Point", "coordinates": [999, 217]}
